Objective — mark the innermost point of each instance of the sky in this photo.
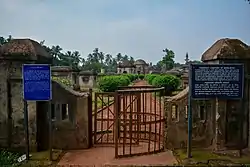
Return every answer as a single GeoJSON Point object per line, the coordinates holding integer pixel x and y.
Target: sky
{"type": "Point", "coordinates": [138, 28]}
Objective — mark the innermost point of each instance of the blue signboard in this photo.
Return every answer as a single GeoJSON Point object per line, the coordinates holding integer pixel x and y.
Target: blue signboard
{"type": "Point", "coordinates": [37, 82]}
{"type": "Point", "coordinates": [222, 81]}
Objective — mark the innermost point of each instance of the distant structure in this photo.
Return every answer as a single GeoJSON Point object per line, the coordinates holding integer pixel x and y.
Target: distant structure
{"type": "Point", "coordinates": [138, 67]}
{"type": "Point", "coordinates": [187, 59]}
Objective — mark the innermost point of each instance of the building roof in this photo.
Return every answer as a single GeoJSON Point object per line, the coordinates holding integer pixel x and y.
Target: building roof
{"type": "Point", "coordinates": [87, 73]}
{"type": "Point", "coordinates": [61, 68]}
{"type": "Point", "coordinates": [125, 63]}
{"type": "Point", "coordinates": [140, 62]}
{"type": "Point", "coordinates": [227, 49]}
{"type": "Point", "coordinates": [26, 47]}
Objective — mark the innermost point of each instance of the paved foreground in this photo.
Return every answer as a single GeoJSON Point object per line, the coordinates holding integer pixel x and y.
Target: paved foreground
{"type": "Point", "coordinates": [104, 156]}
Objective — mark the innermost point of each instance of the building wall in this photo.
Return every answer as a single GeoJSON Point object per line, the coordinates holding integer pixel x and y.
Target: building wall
{"type": "Point", "coordinates": [177, 123]}
{"type": "Point", "coordinates": [71, 132]}
{"type": "Point", "coordinates": [68, 134]}
{"type": "Point", "coordinates": [219, 127]}
{"type": "Point", "coordinates": [129, 70]}
{"type": "Point", "coordinates": [87, 81]}
{"type": "Point", "coordinates": [12, 118]}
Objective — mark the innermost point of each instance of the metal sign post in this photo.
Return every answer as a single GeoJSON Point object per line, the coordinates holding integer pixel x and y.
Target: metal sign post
{"type": "Point", "coordinates": [37, 87]}
{"type": "Point", "coordinates": [26, 124]}
{"type": "Point", "coordinates": [213, 81]}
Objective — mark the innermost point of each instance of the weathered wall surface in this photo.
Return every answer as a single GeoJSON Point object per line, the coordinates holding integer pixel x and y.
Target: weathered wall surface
{"type": "Point", "coordinates": [129, 70]}
{"type": "Point", "coordinates": [71, 133]}
{"type": "Point", "coordinates": [3, 105]}
{"type": "Point", "coordinates": [12, 118]}
{"type": "Point", "coordinates": [89, 83]}
{"type": "Point", "coordinates": [177, 127]}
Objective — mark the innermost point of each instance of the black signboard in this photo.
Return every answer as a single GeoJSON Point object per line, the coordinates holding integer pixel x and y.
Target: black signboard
{"type": "Point", "coordinates": [222, 81]}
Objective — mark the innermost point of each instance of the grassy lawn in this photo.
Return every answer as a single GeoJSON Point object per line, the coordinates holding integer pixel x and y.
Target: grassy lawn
{"type": "Point", "coordinates": [201, 157]}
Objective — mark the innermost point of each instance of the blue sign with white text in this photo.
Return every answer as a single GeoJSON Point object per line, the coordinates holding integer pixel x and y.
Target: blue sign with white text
{"type": "Point", "coordinates": [37, 82]}
{"type": "Point", "coordinates": [222, 81]}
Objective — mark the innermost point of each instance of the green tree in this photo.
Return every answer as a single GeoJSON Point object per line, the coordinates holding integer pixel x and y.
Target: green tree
{"type": "Point", "coordinates": [131, 59]}
{"type": "Point", "coordinates": [108, 59]}
{"type": "Point", "coordinates": [125, 57]}
{"type": "Point", "coordinates": [94, 61]}
{"type": "Point", "coordinates": [101, 57]}
{"type": "Point", "coordinates": [118, 57]}
{"type": "Point", "coordinates": [56, 52]}
{"type": "Point", "coordinates": [2, 41]}
{"type": "Point", "coordinates": [95, 55]}
{"type": "Point", "coordinates": [168, 59]}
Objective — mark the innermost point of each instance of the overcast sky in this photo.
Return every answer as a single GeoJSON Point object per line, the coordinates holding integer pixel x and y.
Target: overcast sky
{"type": "Point", "coordinates": [138, 28]}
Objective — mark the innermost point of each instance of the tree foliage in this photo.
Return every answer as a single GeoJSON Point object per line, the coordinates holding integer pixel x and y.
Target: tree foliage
{"type": "Point", "coordinates": [167, 62]}
{"type": "Point", "coordinates": [94, 61]}
{"type": "Point", "coordinates": [97, 60]}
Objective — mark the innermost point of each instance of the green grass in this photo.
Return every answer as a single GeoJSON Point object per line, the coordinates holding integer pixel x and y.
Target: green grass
{"type": "Point", "coordinates": [8, 158]}
{"type": "Point", "coordinates": [202, 155]}
{"type": "Point", "coordinates": [42, 159]}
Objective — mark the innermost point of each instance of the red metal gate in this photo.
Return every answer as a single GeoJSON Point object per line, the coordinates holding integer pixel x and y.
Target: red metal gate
{"type": "Point", "coordinates": [131, 119]}
{"type": "Point", "coordinates": [104, 118]}
{"type": "Point", "coordinates": [139, 121]}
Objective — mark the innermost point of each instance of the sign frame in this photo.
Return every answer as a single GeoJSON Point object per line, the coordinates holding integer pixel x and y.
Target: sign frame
{"type": "Point", "coordinates": [190, 97]}
{"type": "Point", "coordinates": [50, 80]}
{"type": "Point", "coordinates": [242, 77]}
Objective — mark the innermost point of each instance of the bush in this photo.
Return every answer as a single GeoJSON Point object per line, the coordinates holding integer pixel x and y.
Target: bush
{"type": "Point", "coordinates": [111, 83]}
{"type": "Point", "coordinates": [8, 158]}
{"type": "Point", "coordinates": [141, 76]}
{"type": "Point", "coordinates": [63, 81]}
{"type": "Point", "coordinates": [131, 77]}
{"type": "Point", "coordinates": [149, 78]}
{"type": "Point", "coordinates": [169, 82]}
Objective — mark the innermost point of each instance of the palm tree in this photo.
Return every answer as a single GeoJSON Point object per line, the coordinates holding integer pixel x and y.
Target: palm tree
{"type": "Point", "coordinates": [90, 58]}
{"type": "Point", "coordinates": [118, 57]}
{"type": "Point", "coordinates": [56, 51]}
{"type": "Point", "coordinates": [125, 57]}
{"type": "Point", "coordinates": [108, 59]}
{"type": "Point", "coordinates": [96, 55]}
{"type": "Point", "coordinates": [76, 58]}
{"type": "Point", "coordinates": [101, 57]}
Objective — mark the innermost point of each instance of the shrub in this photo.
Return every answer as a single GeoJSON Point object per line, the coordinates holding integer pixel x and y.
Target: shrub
{"type": "Point", "coordinates": [64, 81]}
{"type": "Point", "coordinates": [8, 158]}
{"type": "Point", "coordinates": [131, 77]}
{"type": "Point", "coordinates": [111, 83]}
{"type": "Point", "coordinates": [149, 78]}
{"type": "Point", "coordinates": [169, 82]}
{"type": "Point", "coordinates": [141, 76]}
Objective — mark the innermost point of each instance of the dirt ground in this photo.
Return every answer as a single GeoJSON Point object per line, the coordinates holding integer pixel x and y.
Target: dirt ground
{"type": "Point", "coordinates": [150, 121]}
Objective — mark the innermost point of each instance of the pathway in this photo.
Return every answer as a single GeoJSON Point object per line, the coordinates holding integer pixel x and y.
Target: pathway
{"type": "Point", "coordinates": [104, 156]}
